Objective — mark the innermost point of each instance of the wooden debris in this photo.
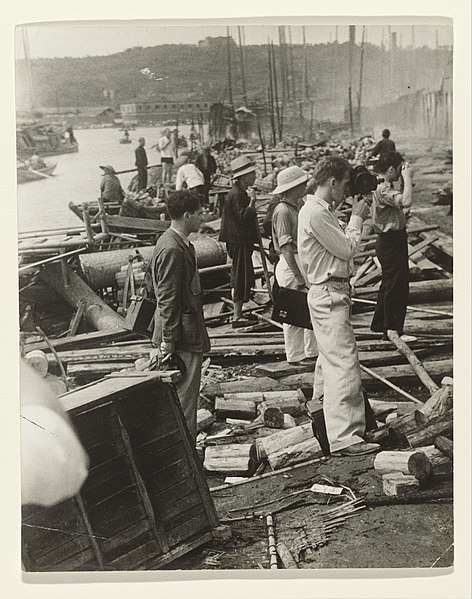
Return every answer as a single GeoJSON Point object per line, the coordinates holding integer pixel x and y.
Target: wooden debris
{"type": "Point", "coordinates": [427, 433]}
{"type": "Point", "coordinates": [204, 419]}
{"type": "Point", "coordinates": [399, 484]}
{"type": "Point", "coordinates": [445, 446]}
{"type": "Point", "coordinates": [271, 542]}
{"type": "Point", "coordinates": [413, 360]}
{"type": "Point", "coordinates": [233, 459]}
{"type": "Point", "coordinates": [38, 361]}
{"type": "Point", "coordinates": [272, 416]}
{"type": "Point", "coordinates": [235, 408]}
{"type": "Point", "coordinates": [282, 440]}
{"type": "Point", "coordinates": [440, 463]}
{"type": "Point", "coordinates": [285, 556]}
{"type": "Point", "coordinates": [407, 462]}
{"type": "Point", "coordinates": [438, 404]}
{"type": "Point", "coordinates": [301, 452]}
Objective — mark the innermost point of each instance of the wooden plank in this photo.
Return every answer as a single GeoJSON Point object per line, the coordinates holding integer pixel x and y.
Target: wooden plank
{"type": "Point", "coordinates": [156, 524]}
{"type": "Point", "coordinates": [194, 462]}
{"type": "Point", "coordinates": [114, 546]}
{"type": "Point", "coordinates": [131, 224]}
{"type": "Point", "coordinates": [176, 552]}
{"type": "Point", "coordinates": [125, 499]}
{"type": "Point", "coordinates": [92, 539]}
{"type": "Point", "coordinates": [79, 562]}
{"type": "Point", "coordinates": [114, 522]}
{"type": "Point", "coordinates": [105, 472]}
{"type": "Point", "coordinates": [135, 556]}
{"type": "Point", "coordinates": [85, 340]}
{"type": "Point", "coordinates": [187, 529]}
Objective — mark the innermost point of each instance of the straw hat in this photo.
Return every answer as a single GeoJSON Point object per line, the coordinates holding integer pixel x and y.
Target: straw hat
{"type": "Point", "coordinates": [242, 165]}
{"type": "Point", "coordinates": [290, 177]}
{"type": "Point", "coordinates": [107, 167]}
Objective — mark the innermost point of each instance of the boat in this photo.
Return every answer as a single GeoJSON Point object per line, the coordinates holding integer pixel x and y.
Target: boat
{"type": "Point", "coordinates": [25, 174]}
{"type": "Point", "coordinates": [46, 140]}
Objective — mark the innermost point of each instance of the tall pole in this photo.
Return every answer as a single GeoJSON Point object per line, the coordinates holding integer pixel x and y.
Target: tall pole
{"type": "Point", "coordinates": [283, 65]}
{"type": "Point", "coordinates": [359, 97]}
{"type": "Point", "coordinates": [292, 68]}
{"type": "Point", "coordinates": [278, 108]}
{"type": "Point", "coordinates": [28, 69]}
{"type": "Point", "coordinates": [243, 64]}
{"type": "Point", "coordinates": [352, 41]}
{"type": "Point", "coordinates": [230, 83]}
{"type": "Point", "coordinates": [271, 96]}
{"type": "Point", "coordinates": [305, 67]}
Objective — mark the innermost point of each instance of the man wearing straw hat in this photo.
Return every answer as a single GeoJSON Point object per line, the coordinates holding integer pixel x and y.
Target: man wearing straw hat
{"type": "Point", "coordinates": [300, 344]}
{"type": "Point", "coordinates": [110, 186]}
{"type": "Point", "coordinates": [238, 230]}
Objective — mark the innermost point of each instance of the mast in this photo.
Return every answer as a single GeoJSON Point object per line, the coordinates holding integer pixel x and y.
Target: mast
{"type": "Point", "coordinates": [28, 69]}
{"type": "Point", "coordinates": [243, 64]}
{"type": "Point", "coordinates": [230, 83]}
{"type": "Point", "coordinates": [292, 68]}
{"type": "Point", "coordinates": [359, 97]}
{"type": "Point", "coordinates": [305, 66]}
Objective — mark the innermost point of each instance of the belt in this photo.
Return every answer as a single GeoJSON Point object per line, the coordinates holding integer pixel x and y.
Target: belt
{"type": "Point", "coordinates": [339, 279]}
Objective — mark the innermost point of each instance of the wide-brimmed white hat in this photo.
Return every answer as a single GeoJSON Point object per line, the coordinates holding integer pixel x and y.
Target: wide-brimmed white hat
{"type": "Point", "coordinates": [288, 178]}
{"type": "Point", "coordinates": [242, 165]}
{"type": "Point", "coordinates": [107, 167]}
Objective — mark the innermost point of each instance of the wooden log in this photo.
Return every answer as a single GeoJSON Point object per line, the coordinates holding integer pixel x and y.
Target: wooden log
{"type": "Point", "coordinates": [38, 361]}
{"type": "Point", "coordinates": [235, 408]}
{"type": "Point", "coordinates": [420, 291]}
{"type": "Point", "coordinates": [253, 397]}
{"type": "Point", "coordinates": [289, 421]}
{"type": "Point", "coordinates": [97, 312]}
{"type": "Point", "coordinates": [400, 374]}
{"type": "Point", "coordinates": [413, 360]}
{"type": "Point", "coordinates": [380, 435]}
{"type": "Point", "coordinates": [438, 404]}
{"type": "Point", "coordinates": [445, 446]}
{"type": "Point", "coordinates": [283, 440]}
{"type": "Point", "coordinates": [407, 462]}
{"type": "Point", "coordinates": [234, 459]}
{"type": "Point", "coordinates": [289, 402]}
{"type": "Point", "coordinates": [289, 456]}
{"type": "Point", "coordinates": [272, 417]}
{"type": "Point", "coordinates": [427, 433]}
{"type": "Point", "coordinates": [204, 419]}
{"type": "Point", "coordinates": [399, 484]}
{"type": "Point", "coordinates": [400, 427]}
{"type": "Point", "coordinates": [440, 463]}
{"type": "Point", "coordinates": [285, 556]}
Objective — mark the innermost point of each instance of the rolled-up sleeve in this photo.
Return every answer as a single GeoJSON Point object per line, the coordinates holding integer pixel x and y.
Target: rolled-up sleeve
{"type": "Point", "coordinates": [342, 244]}
{"type": "Point", "coordinates": [283, 228]}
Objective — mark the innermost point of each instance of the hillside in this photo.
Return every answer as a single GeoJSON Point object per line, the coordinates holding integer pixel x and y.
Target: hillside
{"type": "Point", "coordinates": [188, 69]}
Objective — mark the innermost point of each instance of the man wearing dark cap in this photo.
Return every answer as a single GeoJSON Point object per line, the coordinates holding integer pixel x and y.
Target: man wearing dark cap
{"type": "Point", "coordinates": [384, 145]}
{"type": "Point", "coordinates": [141, 164]}
{"type": "Point", "coordinates": [238, 230]}
{"type": "Point", "coordinates": [110, 186]}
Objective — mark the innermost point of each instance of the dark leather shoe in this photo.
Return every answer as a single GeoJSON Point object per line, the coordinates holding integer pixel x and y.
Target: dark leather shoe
{"type": "Point", "coordinates": [357, 449]}
{"type": "Point", "coordinates": [300, 364]}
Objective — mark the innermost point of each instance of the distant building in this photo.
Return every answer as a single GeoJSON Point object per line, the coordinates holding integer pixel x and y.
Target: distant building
{"type": "Point", "coordinates": [216, 42]}
{"type": "Point", "coordinates": [160, 109]}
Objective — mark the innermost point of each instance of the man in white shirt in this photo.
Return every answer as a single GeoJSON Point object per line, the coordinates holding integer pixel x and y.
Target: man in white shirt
{"type": "Point", "coordinates": [167, 150]}
{"type": "Point", "coordinates": [326, 252]}
{"type": "Point", "coordinates": [189, 176]}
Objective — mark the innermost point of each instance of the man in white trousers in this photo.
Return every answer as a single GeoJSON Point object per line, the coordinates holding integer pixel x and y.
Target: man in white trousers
{"type": "Point", "coordinates": [300, 344]}
{"type": "Point", "coordinates": [326, 252]}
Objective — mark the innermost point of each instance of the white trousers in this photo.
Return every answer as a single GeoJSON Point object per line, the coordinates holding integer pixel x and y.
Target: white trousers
{"type": "Point", "coordinates": [343, 402]}
{"type": "Point", "coordinates": [299, 343]}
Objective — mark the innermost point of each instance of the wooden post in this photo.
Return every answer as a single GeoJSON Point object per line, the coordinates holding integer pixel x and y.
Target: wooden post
{"type": "Point", "coordinates": [264, 262]}
{"type": "Point", "coordinates": [103, 216]}
{"type": "Point", "coordinates": [413, 360]}
{"type": "Point", "coordinates": [87, 223]}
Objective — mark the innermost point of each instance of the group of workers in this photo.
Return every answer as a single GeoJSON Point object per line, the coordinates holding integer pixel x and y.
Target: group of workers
{"type": "Point", "coordinates": [315, 251]}
{"type": "Point", "coordinates": [315, 256]}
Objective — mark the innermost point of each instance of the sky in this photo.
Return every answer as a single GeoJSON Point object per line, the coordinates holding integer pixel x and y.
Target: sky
{"type": "Point", "coordinates": [93, 38]}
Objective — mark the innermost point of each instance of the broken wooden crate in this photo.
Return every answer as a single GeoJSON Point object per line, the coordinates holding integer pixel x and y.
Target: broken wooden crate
{"type": "Point", "coordinates": [145, 501]}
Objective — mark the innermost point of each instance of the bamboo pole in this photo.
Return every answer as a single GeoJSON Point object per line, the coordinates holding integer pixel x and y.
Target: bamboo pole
{"type": "Point", "coordinates": [413, 360]}
{"type": "Point", "coordinates": [389, 384]}
{"type": "Point", "coordinates": [359, 97]}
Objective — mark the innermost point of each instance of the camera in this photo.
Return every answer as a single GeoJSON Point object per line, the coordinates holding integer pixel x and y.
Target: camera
{"type": "Point", "coordinates": [362, 181]}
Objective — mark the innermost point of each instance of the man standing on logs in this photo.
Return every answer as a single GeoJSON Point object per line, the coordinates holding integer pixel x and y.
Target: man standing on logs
{"type": "Point", "coordinates": [141, 164]}
{"type": "Point", "coordinates": [238, 230]}
{"type": "Point", "coordinates": [389, 221]}
{"type": "Point", "coordinates": [300, 344]}
{"type": "Point", "coordinates": [326, 253]}
{"type": "Point", "coordinates": [179, 326]}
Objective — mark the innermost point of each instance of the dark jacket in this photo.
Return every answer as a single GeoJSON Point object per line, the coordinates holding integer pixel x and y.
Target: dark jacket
{"type": "Point", "coordinates": [110, 188]}
{"type": "Point", "coordinates": [207, 165]}
{"type": "Point", "coordinates": [383, 146]}
{"type": "Point", "coordinates": [141, 157]}
{"type": "Point", "coordinates": [179, 316]}
{"type": "Point", "coordinates": [239, 220]}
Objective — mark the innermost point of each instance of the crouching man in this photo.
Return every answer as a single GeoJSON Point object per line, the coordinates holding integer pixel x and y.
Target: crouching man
{"type": "Point", "coordinates": [179, 327]}
{"type": "Point", "coordinates": [325, 252]}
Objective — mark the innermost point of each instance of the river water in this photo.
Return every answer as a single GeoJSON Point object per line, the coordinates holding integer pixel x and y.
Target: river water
{"type": "Point", "coordinates": [43, 204]}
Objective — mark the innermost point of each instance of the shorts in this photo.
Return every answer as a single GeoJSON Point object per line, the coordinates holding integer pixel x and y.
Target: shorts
{"type": "Point", "coordinates": [167, 160]}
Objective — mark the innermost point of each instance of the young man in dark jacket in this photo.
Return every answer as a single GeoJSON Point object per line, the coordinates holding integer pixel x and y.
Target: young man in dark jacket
{"type": "Point", "coordinates": [141, 163]}
{"type": "Point", "coordinates": [179, 327]}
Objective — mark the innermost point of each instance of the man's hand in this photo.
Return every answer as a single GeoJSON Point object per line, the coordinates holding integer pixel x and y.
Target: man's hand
{"type": "Point", "coordinates": [360, 208]}
{"type": "Point", "coordinates": [407, 171]}
{"type": "Point", "coordinates": [253, 196]}
{"type": "Point", "coordinates": [166, 349]}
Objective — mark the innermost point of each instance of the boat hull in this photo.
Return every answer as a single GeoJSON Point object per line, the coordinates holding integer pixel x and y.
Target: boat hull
{"type": "Point", "coordinates": [26, 176]}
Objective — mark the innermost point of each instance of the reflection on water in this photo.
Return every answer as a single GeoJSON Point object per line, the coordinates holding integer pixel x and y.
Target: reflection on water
{"type": "Point", "coordinates": [43, 204]}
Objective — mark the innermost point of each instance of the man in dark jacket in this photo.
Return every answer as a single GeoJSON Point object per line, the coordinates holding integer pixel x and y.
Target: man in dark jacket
{"type": "Point", "coordinates": [384, 145]}
{"type": "Point", "coordinates": [179, 327]}
{"type": "Point", "coordinates": [141, 163]}
{"type": "Point", "coordinates": [238, 230]}
{"type": "Point", "coordinates": [206, 163]}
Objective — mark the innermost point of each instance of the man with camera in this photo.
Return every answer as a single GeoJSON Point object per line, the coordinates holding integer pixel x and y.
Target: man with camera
{"type": "Point", "coordinates": [389, 221]}
{"type": "Point", "coordinates": [326, 252]}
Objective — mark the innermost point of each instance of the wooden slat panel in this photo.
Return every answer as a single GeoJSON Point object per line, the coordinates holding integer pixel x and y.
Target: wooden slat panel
{"type": "Point", "coordinates": [58, 514]}
{"type": "Point", "coordinates": [101, 453]}
{"type": "Point", "coordinates": [54, 533]}
{"type": "Point", "coordinates": [107, 516]}
{"type": "Point", "coordinates": [108, 489]}
{"type": "Point", "coordinates": [182, 532]}
{"type": "Point", "coordinates": [59, 553]}
{"type": "Point", "coordinates": [150, 466]}
{"type": "Point", "coordinates": [116, 545]}
{"type": "Point", "coordinates": [114, 522]}
{"type": "Point", "coordinates": [79, 562]}
{"type": "Point", "coordinates": [179, 509]}
{"type": "Point", "coordinates": [135, 556]}
{"type": "Point", "coordinates": [153, 427]}
{"type": "Point", "coordinates": [105, 472]}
